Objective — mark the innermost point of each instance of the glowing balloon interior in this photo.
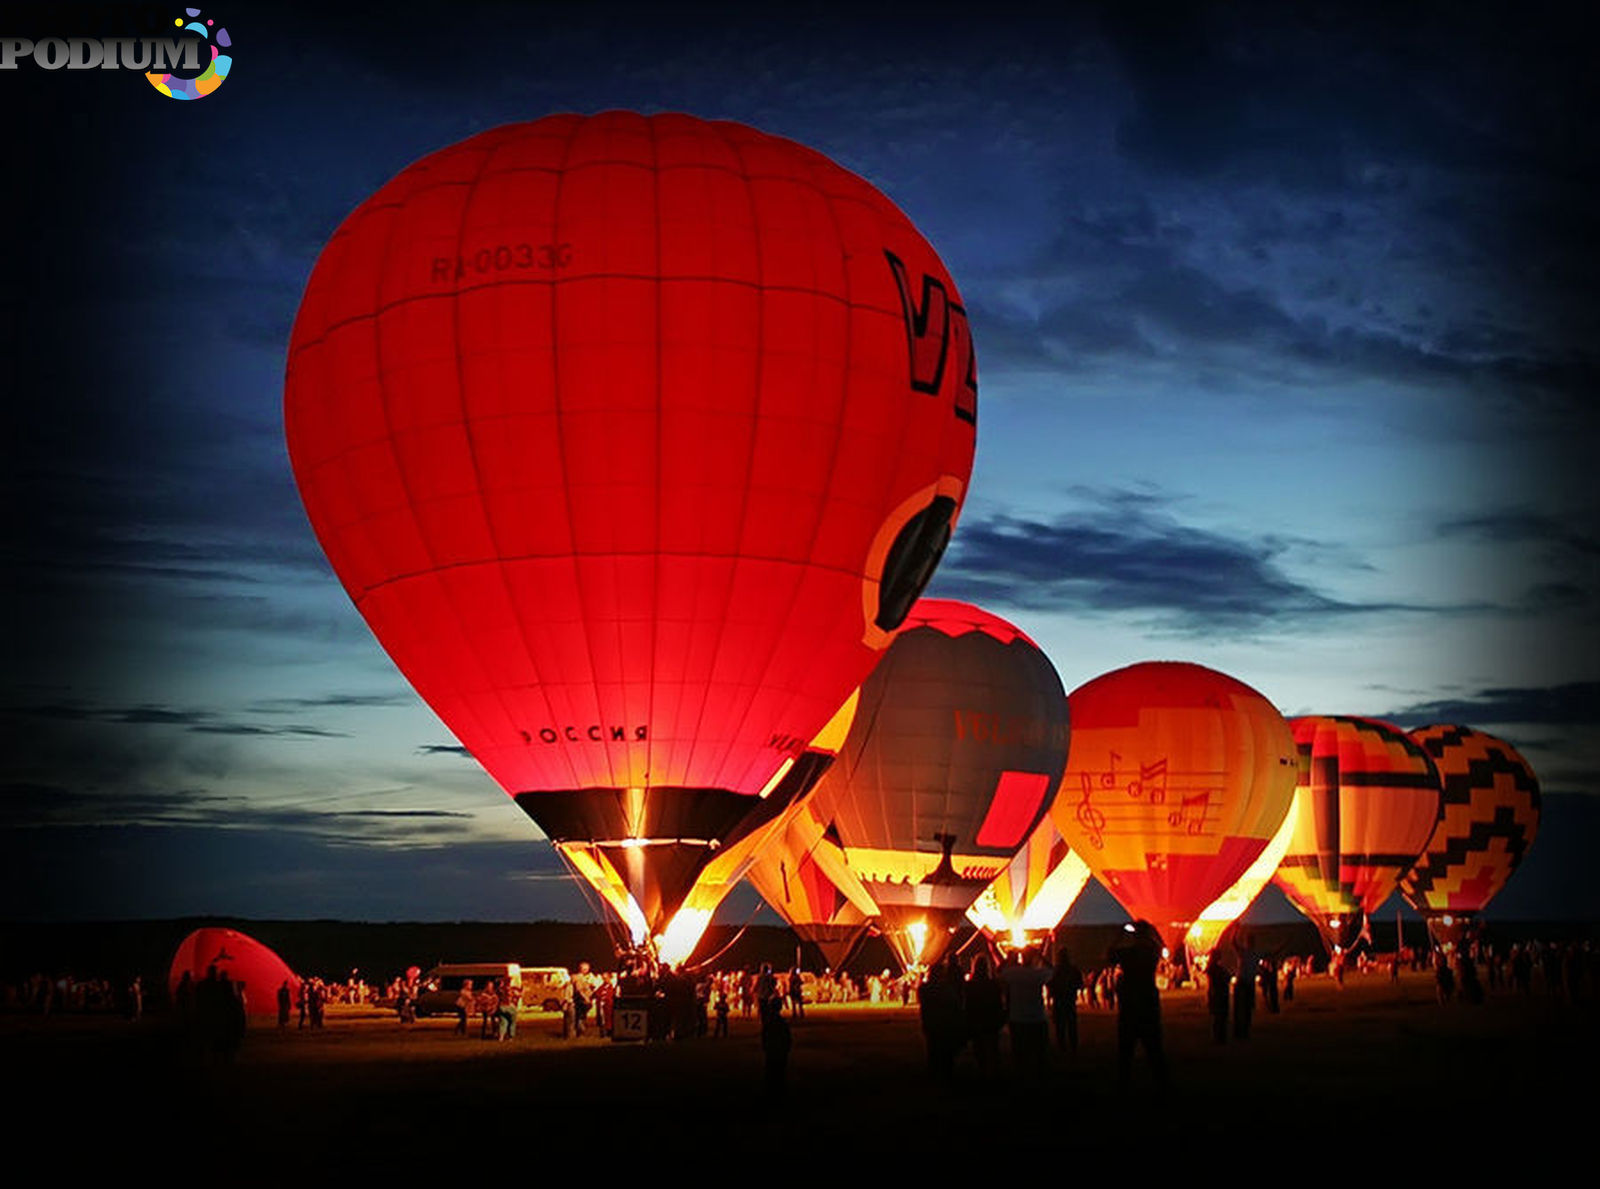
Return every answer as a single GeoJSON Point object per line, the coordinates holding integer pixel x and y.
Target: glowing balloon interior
{"type": "Point", "coordinates": [1025, 902]}
{"type": "Point", "coordinates": [633, 439]}
{"type": "Point", "coordinates": [1216, 917]}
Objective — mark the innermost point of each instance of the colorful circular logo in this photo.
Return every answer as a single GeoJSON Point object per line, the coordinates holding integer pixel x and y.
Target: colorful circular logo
{"type": "Point", "coordinates": [207, 80]}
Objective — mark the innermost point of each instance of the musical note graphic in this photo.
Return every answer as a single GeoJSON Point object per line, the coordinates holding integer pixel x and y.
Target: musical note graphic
{"type": "Point", "coordinates": [1089, 817]}
{"type": "Point", "coordinates": [1151, 782]}
{"type": "Point", "coordinates": [1191, 812]}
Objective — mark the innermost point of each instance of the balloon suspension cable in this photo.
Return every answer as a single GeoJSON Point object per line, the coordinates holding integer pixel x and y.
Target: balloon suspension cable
{"type": "Point", "coordinates": [976, 933]}
{"type": "Point", "coordinates": [731, 941]}
{"type": "Point", "coordinates": [600, 909]}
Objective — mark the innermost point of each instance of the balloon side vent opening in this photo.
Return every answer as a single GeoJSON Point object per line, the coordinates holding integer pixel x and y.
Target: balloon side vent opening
{"type": "Point", "coordinates": [911, 561]}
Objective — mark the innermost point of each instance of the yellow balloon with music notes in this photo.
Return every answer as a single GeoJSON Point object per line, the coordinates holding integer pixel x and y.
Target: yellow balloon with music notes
{"type": "Point", "coordinates": [1177, 778]}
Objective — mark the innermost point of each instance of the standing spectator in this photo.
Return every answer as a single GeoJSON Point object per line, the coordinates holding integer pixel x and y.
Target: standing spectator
{"type": "Point", "coordinates": [584, 986]}
{"type": "Point", "coordinates": [797, 994]}
{"type": "Point", "coordinates": [605, 1002]}
{"type": "Point", "coordinates": [1065, 984]}
{"type": "Point", "coordinates": [1024, 980]}
{"type": "Point", "coordinates": [1269, 983]}
{"type": "Point", "coordinates": [985, 1014]}
{"type": "Point", "coordinates": [464, 1002]}
{"type": "Point", "coordinates": [1219, 985]}
{"type": "Point", "coordinates": [776, 1040]}
{"type": "Point", "coordinates": [766, 986]}
{"type": "Point", "coordinates": [1138, 1001]}
{"type": "Point", "coordinates": [1247, 963]}
{"type": "Point", "coordinates": [1444, 978]}
{"type": "Point", "coordinates": [285, 1003]}
{"type": "Point", "coordinates": [943, 1018]}
{"type": "Point", "coordinates": [510, 1000]}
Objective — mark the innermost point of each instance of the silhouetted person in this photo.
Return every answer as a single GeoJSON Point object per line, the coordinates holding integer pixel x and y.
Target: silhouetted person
{"type": "Point", "coordinates": [985, 1014]}
{"type": "Point", "coordinates": [1247, 961]}
{"type": "Point", "coordinates": [1467, 973]}
{"type": "Point", "coordinates": [1219, 986]}
{"type": "Point", "coordinates": [1138, 1001]}
{"type": "Point", "coordinates": [944, 1021]}
{"type": "Point", "coordinates": [776, 1040]}
{"type": "Point", "coordinates": [1269, 984]}
{"type": "Point", "coordinates": [766, 985]}
{"type": "Point", "coordinates": [285, 1003]}
{"type": "Point", "coordinates": [1065, 984]}
{"type": "Point", "coordinates": [1024, 979]}
{"type": "Point", "coordinates": [1444, 979]}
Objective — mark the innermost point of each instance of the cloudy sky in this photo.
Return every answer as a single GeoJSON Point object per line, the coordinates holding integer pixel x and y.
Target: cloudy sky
{"type": "Point", "coordinates": [1285, 319]}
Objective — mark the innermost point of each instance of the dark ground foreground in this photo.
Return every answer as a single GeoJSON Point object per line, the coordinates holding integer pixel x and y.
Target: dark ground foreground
{"type": "Point", "coordinates": [1370, 1073]}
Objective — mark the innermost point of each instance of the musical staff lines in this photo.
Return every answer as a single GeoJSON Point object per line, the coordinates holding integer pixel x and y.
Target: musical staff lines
{"type": "Point", "coordinates": [1145, 798]}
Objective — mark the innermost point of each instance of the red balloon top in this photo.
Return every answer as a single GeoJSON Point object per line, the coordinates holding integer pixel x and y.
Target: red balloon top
{"type": "Point", "coordinates": [957, 619]}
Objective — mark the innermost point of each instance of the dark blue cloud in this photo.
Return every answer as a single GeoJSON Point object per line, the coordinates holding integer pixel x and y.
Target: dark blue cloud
{"type": "Point", "coordinates": [202, 721]}
{"type": "Point", "coordinates": [1125, 552]}
{"type": "Point", "coordinates": [1518, 526]}
{"type": "Point", "coordinates": [1574, 703]}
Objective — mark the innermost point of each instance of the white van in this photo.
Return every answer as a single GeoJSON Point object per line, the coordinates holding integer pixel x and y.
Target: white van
{"type": "Point", "coordinates": [443, 983]}
{"type": "Point", "coordinates": [544, 988]}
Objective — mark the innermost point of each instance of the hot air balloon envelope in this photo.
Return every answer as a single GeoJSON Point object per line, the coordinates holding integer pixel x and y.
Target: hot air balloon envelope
{"type": "Point", "coordinates": [633, 439]}
{"type": "Point", "coordinates": [1177, 778]}
{"type": "Point", "coordinates": [956, 749]}
{"type": "Point", "coordinates": [1491, 815]}
{"type": "Point", "coordinates": [242, 958]}
{"type": "Point", "coordinates": [1367, 801]}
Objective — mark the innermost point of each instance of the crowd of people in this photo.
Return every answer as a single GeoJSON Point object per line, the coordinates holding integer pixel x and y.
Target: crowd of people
{"type": "Point", "coordinates": [701, 1002]}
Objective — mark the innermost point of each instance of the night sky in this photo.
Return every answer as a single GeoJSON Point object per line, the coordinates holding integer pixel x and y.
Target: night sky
{"type": "Point", "coordinates": [1286, 321]}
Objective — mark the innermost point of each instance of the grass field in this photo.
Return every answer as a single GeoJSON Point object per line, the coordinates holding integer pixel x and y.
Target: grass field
{"type": "Point", "coordinates": [1368, 1072]}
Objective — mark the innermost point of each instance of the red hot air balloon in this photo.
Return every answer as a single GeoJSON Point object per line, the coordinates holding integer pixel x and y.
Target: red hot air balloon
{"type": "Point", "coordinates": [242, 958]}
{"type": "Point", "coordinates": [956, 749]}
{"type": "Point", "coordinates": [1178, 777]}
{"type": "Point", "coordinates": [633, 439]}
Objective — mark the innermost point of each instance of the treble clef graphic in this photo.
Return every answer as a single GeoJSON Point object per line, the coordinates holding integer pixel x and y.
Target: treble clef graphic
{"type": "Point", "coordinates": [1091, 819]}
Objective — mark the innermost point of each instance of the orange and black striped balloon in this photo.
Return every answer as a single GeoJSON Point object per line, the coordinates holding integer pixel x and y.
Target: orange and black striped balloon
{"type": "Point", "coordinates": [1367, 801]}
{"type": "Point", "coordinates": [1491, 814]}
